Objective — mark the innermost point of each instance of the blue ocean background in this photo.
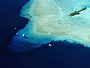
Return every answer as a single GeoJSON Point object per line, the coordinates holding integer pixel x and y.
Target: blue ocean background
{"type": "Point", "coordinates": [60, 55]}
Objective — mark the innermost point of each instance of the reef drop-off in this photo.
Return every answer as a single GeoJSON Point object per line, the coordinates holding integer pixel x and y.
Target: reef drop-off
{"type": "Point", "coordinates": [50, 20]}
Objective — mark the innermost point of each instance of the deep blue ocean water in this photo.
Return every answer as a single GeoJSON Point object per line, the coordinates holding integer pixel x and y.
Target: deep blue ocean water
{"type": "Point", "coordinates": [60, 55]}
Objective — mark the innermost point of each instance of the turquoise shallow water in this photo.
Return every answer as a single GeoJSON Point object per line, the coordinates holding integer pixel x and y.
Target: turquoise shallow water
{"type": "Point", "coordinates": [50, 21]}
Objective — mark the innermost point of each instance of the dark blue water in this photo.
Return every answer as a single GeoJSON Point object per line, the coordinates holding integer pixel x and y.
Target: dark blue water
{"type": "Point", "coordinates": [61, 55]}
